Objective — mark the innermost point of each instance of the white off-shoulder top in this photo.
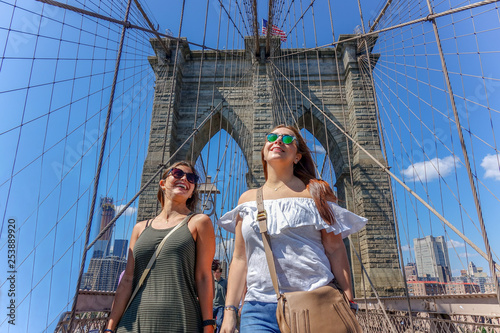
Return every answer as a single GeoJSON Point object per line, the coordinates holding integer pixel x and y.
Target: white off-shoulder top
{"type": "Point", "coordinates": [294, 226]}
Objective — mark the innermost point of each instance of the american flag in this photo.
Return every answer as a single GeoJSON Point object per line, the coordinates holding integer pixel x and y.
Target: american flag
{"type": "Point", "coordinates": [275, 31]}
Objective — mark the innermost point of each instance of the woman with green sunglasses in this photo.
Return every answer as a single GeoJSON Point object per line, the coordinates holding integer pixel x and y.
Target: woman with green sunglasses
{"type": "Point", "coordinates": [305, 226]}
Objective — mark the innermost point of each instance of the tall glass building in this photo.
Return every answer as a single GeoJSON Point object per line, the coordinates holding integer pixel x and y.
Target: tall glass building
{"type": "Point", "coordinates": [431, 256]}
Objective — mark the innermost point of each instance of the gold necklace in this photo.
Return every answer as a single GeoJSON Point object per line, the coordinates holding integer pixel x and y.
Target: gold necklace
{"type": "Point", "coordinates": [167, 220]}
{"type": "Point", "coordinates": [275, 188]}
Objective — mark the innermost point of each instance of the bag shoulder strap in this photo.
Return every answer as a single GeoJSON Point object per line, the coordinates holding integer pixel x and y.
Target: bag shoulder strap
{"type": "Point", "coordinates": [153, 258]}
{"type": "Point", "coordinates": [262, 219]}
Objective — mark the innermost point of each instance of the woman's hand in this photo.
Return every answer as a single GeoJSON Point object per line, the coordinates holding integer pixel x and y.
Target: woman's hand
{"type": "Point", "coordinates": [229, 322]}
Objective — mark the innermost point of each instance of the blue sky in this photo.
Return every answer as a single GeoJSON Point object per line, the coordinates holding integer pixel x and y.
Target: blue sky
{"type": "Point", "coordinates": [49, 194]}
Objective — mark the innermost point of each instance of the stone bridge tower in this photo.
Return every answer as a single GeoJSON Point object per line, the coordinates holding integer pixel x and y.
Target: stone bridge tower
{"type": "Point", "coordinates": [242, 105]}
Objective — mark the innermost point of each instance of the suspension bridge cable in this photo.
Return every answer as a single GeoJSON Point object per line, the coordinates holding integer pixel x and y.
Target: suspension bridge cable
{"type": "Point", "coordinates": [377, 112]}
{"type": "Point", "coordinates": [465, 154]}
{"type": "Point", "coordinates": [417, 176]}
{"type": "Point", "coordinates": [200, 77]}
{"type": "Point", "coordinates": [406, 82]}
{"type": "Point", "coordinates": [397, 26]}
{"type": "Point", "coordinates": [62, 176]}
{"type": "Point", "coordinates": [385, 169]}
{"type": "Point", "coordinates": [433, 108]}
{"type": "Point", "coordinates": [153, 177]}
{"type": "Point", "coordinates": [99, 166]}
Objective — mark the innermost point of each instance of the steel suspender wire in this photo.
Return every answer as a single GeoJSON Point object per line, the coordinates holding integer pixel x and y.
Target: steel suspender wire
{"type": "Point", "coordinates": [199, 78]}
{"type": "Point", "coordinates": [98, 172]}
{"type": "Point", "coordinates": [466, 156]}
{"type": "Point", "coordinates": [322, 91]}
{"type": "Point", "coordinates": [381, 134]}
{"type": "Point", "coordinates": [417, 176]}
{"type": "Point", "coordinates": [348, 147]}
{"type": "Point", "coordinates": [393, 176]}
{"type": "Point", "coordinates": [397, 26]}
{"type": "Point", "coordinates": [442, 144]}
{"type": "Point", "coordinates": [160, 169]}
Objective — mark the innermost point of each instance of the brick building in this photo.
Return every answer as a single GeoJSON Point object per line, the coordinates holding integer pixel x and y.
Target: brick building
{"type": "Point", "coordinates": [430, 288]}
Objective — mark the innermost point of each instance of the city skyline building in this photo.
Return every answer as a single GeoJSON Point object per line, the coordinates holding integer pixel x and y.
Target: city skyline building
{"type": "Point", "coordinates": [105, 265]}
{"type": "Point", "coordinates": [102, 246]}
{"type": "Point", "coordinates": [120, 248]}
{"type": "Point", "coordinates": [432, 260]}
{"type": "Point", "coordinates": [478, 275]}
{"type": "Point", "coordinates": [411, 272]}
{"type": "Point", "coordinates": [472, 269]}
{"type": "Point", "coordinates": [103, 274]}
{"type": "Point", "coordinates": [431, 288]}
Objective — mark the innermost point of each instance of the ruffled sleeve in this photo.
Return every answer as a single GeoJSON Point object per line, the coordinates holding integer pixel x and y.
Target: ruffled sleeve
{"type": "Point", "coordinates": [346, 222]}
{"type": "Point", "coordinates": [292, 213]}
{"type": "Point", "coordinates": [228, 220]}
{"type": "Point", "coordinates": [299, 212]}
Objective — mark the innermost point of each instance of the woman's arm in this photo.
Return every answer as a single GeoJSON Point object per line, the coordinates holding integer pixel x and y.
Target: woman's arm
{"type": "Point", "coordinates": [337, 255]}
{"type": "Point", "coordinates": [124, 290]}
{"type": "Point", "coordinates": [236, 280]}
{"type": "Point", "coordinates": [205, 250]}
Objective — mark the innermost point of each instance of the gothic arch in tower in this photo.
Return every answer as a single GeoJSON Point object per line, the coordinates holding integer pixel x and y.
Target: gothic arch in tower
{"type": "Point", "coordinates": [201, 96]}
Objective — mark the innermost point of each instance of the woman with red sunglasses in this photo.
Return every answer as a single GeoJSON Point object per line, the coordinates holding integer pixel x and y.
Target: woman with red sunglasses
{"type": "Point", "coordinates": [305, 226]}
{"type": "Point", "coordinates": [177, 294]}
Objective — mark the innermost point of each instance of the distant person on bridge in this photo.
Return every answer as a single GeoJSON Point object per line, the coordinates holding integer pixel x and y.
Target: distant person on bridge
{"type": "Point", "coordinates": [306, 229]}
{"type": "Point", "coordinates": [177, 294]}
{"type": "Point", "coordinates": [220, 289]}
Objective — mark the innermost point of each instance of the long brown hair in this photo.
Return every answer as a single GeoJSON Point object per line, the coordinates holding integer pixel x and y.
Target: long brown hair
{"type": "Point", "coordinates": [320, 191]}
{"type": "Point", "coordinates": [191, 202]}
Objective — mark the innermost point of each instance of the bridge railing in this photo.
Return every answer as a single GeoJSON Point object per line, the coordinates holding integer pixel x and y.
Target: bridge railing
{"type": "Point", "coordinates": [441, 313]}
{"type": "Point", "coordinates": [92, 311]}
{"type": "Point", "coordinates": [478, 313]}
{"type": "Point", "coordinates": [375, 321]}
{"type": "Point", "coordinates": [84, 322]}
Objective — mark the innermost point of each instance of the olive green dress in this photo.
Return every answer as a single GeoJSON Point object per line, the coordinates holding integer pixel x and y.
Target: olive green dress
{"type": "Point", "coordinates": [167, 301]}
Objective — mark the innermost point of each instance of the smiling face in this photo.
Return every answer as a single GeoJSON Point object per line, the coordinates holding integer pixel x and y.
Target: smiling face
{"type": "Point", "coordinates": [183, 177]}
{"type": "Point", "coordinates": [279, 151]}
{"type": "Point", "coordinates": [174, 183]}
{"type": "Point", "coordinates": [296, 152]}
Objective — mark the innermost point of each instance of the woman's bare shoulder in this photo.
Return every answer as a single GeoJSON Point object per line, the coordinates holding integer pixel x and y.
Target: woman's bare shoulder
{"type": "Point", "coordinates": [138, 229]}
{"type": "Point", "coordinates": [141, 225]}
{"type": "Point", "coordinates": [201, 219]}
{"type": "Point", "coordinates": [250, 195]}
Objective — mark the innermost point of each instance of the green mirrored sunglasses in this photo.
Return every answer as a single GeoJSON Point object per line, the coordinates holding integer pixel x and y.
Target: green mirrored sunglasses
{"type": "Point", "coordinates": [285, 138]}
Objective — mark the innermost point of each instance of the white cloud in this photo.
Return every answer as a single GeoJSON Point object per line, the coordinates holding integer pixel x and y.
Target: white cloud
{"type": "Point", "coordinates": [406, 248]}
{"type": "Point", "coordinates": [470, 255]}
{"type": "Point", "coordinates": [491, 166]}
{"type": "Point", "coordinates": [454, 244]}
{"type": "Point", "coordinates": [318, 149]}
{"type": "Point", "coordinates": [429, 169]}
{"type": "Point", "coordinates": [128, 212]}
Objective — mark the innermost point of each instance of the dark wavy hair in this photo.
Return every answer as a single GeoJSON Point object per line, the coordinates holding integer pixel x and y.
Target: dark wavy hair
{"type": "Point", "coordinates": [191, 202]}
{"type": "Point", "coordinates": [320, 191]}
